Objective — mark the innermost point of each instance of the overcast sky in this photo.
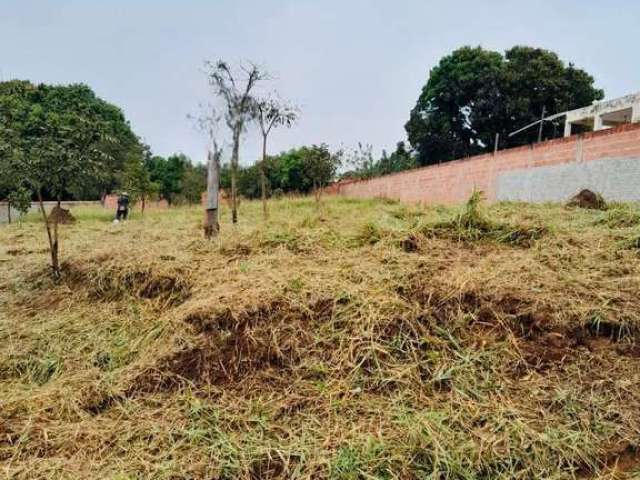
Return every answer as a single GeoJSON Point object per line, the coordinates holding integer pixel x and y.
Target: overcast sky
{"type": "Point", "coordinates": [355, 67]}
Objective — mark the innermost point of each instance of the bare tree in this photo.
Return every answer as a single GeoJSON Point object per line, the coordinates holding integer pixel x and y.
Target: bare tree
{"type": "Point", "coordinates": [271, 112]}
{"type": "Point", "coordinates": [208, 122]}
{"type": "Point", "coordinates": [233, 86]}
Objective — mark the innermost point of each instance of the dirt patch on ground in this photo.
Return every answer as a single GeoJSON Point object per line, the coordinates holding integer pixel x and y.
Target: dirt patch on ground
{"type": "Point", "coordinates": [625, 460]}
{"type": "Point", "coordinates": [231, 347]}
{"type": "Point", "coordinates": [588, 199]}
{"type": "Point", "coordinates": [542, 341]}
{"type": "Point", "coordinates": [61, 216]}
{"type": "Point", "coordinates": [619, 463]}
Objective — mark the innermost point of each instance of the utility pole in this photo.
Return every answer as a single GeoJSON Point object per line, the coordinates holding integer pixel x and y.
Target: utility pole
{"type": "Point", "coordinates": [544, 111]}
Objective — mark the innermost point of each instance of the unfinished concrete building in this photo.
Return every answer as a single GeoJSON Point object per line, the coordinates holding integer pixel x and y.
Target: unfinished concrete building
{"type": "Point", "coordinates": [605, 114]}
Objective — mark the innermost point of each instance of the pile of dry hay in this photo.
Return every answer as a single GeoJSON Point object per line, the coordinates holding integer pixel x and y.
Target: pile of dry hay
{"type": "Point", "coordinates": [367, 340]}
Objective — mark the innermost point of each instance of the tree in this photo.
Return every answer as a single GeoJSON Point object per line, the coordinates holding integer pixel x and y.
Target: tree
{"type": "Point", "coordinates": [56, 136]}
{"type": "Point", "coordinates": [12, 188]}
{"type": "Point", "coordinates": [136, 179]}
{"type": "Point", "coordinates": [269, 113]}
{"type": "Point", "coordinates": [362, 162]}
{"type": "Point", "coordinates": [118, 144]}
{"type": "Point", "coordinates": [364, 166]}
{"type": "Point", "coordinates": [194, 182]}
{"type": "Point", "coordinates": [401, 159]}
{"type": "Point", "coordinates": [474, 94]}
{"type": "Point", "coordinates": [320, 166]}
{"type": "Point", "coordinates": [234, 87]}
{"type": "Point", "coordinates": [19, 199]}
{"type": "Point", "coordinates": [168, 173]}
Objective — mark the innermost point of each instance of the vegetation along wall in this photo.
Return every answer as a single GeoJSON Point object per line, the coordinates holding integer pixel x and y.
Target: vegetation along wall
{"type": "Point", "coordinates": [607, 161]}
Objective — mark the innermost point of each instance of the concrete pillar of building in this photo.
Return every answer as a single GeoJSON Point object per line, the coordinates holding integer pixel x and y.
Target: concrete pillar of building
{"type": "Point", "coordinates": [597, 123]}
{"type": "Point", "coordinates": [567, 128]}
{"type": "Point", "coordinates": [635, 112]}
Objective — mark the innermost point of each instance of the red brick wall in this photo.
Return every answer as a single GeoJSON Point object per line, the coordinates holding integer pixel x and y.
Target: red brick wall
{"type": "Point", "coordinates": [453, 182]}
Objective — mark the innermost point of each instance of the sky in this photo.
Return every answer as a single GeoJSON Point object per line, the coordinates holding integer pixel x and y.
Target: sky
{"type": "Point", "coordinates": [355, 67]}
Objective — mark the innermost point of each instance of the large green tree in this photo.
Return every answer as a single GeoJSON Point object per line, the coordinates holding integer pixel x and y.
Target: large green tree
{"type": "Point", "coordinates": [474, 94]}
{"type": "Point", "coordinates": [54, 139]}
{"type": "Point", "coordinates": [60, 102]}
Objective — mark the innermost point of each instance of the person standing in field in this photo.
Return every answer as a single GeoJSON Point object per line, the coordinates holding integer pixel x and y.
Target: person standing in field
{"type": "Point", "coordinates": [122, 212]}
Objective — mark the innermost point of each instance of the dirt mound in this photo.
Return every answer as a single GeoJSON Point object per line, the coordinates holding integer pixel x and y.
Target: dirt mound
{"type": "Point", "coordinates": [60, 216]}
{"type": "Point", "coordinates": [588, 199]}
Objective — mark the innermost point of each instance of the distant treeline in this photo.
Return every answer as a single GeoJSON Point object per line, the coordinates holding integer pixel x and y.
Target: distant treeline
{"type": "Point", "coordinates": [294, 171]}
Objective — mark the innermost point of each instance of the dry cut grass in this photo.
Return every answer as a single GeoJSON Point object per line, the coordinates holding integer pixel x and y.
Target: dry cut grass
{"type": "Point", "coordinates": [368, 339]}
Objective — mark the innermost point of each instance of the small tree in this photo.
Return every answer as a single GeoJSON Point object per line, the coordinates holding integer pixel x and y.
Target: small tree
{"type": "Point", "coordinates": [19, 199]}
{"type": "Point", "coordinates": [321, 166]}
{"type": "Point", "coordinates": [11, 188]}
{"type": "Point", "coordinates": [269, 113]}
{"type": "Point", "coordinates": [234, 87]}
{"type": "Point", "coordinates": [194, 182]}
{"type": "Point", "coordinates": [137, 181]}
{"type": "Point", "coordinates": [53, 141]}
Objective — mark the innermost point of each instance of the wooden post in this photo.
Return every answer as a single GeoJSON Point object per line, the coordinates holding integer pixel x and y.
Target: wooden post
{"type": "Point", "coordinates": [211, 226]}
{"type": "Point", "coordinates": [234, 173]}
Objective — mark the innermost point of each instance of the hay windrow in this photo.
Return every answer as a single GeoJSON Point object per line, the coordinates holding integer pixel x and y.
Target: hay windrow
{"type": "Point", "coordinates": [114, 282]}
{"type": "Point", "coordinates": [354, 341]}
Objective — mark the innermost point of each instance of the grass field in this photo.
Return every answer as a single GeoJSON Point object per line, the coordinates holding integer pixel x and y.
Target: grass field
{"type": "Point", "coordinates": [367, 339]}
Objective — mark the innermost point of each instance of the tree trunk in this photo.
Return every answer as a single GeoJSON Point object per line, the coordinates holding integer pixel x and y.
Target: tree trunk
{"type": "Point", "coordinates": [53, 239]}
{"type": "Point", "coordinates": [263, 178]}
{"type": "Point", "coordinates": [9, 212]}
{"type": "Point", "coordinates": [142, 205]}
{"type": "Point", "coordinates": [211, 226]}
{"type": "Point", "coordinates": [234, 173]}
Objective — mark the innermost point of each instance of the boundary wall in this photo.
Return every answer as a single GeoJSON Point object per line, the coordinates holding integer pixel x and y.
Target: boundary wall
{"type": "Point", "coordinates": [606, 161]}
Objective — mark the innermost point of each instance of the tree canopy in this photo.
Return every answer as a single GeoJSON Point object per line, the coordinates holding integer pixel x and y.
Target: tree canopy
{"type": "Point", "coordinates": [176, 178]}
{"type": "Point", "coordinates": [474, 94]}
{"type": "Point", "coordinates": [63, 138]}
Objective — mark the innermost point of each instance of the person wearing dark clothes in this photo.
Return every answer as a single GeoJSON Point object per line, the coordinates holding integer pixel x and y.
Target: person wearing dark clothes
{"type": "Point", "coordinates": [123, 207]}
